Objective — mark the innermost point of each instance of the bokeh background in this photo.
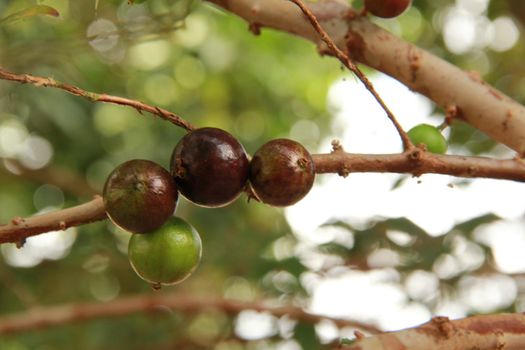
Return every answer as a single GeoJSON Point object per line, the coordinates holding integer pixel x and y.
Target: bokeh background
{"type": "Point", "coordinates": [385, 249]}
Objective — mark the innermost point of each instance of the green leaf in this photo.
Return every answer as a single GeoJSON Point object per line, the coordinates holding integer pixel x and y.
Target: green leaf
{"type": "Point", "coordinates": [36, 10]}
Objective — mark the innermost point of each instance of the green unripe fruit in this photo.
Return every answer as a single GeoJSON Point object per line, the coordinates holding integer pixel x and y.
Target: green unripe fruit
{"type": "Point", "coordinates": [139, 196]}
{"type": "Point", "coordinates": [429, 136]}
{"type": "Point", "coordinates": [168, 255]}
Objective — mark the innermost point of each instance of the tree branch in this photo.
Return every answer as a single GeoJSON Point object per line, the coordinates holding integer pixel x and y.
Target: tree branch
{"type": "Point", "coordinates": [415, 162]}
{"type": "Point", "coordinates": [63, 178]}
{"type": "Point", "coordinates": [488, 332]}
{"type": "Point", "coordinates": [473, 100]}
{"type": "Point", "coordinates": [407, 143]}
{"type": "Point", "coordinates": [19, 229]}
{"type": "Point", "coordinates": [45, 317]}
{"type": "Point", "coordinates": [94, 97]}
{"type": "Point", "coordinates": [418, 162]}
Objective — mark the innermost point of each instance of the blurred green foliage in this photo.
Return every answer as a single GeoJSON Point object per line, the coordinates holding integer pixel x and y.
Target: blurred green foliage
{"type": "Point", "coordinates": [204, 65]}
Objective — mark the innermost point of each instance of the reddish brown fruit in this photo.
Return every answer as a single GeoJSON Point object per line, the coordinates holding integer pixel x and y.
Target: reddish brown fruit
{"type": "Point", "coordinates": [386, 8]}
{"type": "Point", "coordinates": [210, 167]}
{"type": "Point", "coordinates": [281, 172]}
{"type": "Point", "coordinates": [140, 196]}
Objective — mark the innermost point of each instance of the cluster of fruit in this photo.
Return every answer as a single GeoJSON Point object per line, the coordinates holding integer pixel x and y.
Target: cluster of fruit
{"type": "Point", "coordinates": [210, 168]}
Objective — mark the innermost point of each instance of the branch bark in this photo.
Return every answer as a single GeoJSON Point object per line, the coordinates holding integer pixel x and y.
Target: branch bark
{"type": "Point", "coordinates": [19, 229]}
{"type": "Point", "coordinates": [488, 332]}
{"type": "Point", "coordinates": [465, 93]}
{"type": "Point", "coordinates": [415, 162]}
{"type": "Point", "coordinates": [45, 317]}
{"type": "Point", "coordinates": [94, 97]}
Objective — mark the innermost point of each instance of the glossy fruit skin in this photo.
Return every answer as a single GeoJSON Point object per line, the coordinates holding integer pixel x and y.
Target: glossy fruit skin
{"type": "Point", "coordinates": [387, 8]}
{"type": "Point", "coordinates": [140, 196]}
{"type": "Point", "coordinates": [167, 255]}
{"type": "Point", "coordinates": [281, 172]}
{"type": "Point", "coordinates": [210, 167]}
{"type": "Point", "coordinates": [430, 136]}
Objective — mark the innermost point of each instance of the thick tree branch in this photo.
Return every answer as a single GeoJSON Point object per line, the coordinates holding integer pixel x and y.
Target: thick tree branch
{"type": "Point", "coordinates": [45, 317]}
{"type": "Point", "coordinates": [94, 97]}
{"type": "Point", "coordinates": [471, 99]}
{"type": "Point", "coordinates": [19, 229]}
{"type": "Point", "coordinates": [505, 331]}
{"type": "Point", "coordinates": [415, 162]}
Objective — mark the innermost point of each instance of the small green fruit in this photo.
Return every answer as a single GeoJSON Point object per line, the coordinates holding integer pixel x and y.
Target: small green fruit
{"type": "Point", "coordinates": [168, 255]}
{"type": "Point", "coordinates": [281, 172]}
{"type": "Point", "coordinates": [429, 136]}
{"type": "Point", "coordinates": [140, 196]}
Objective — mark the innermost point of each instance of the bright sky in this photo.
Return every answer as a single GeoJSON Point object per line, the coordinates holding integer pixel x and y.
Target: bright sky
{"type": "Point", "coordinates": [428, 201]}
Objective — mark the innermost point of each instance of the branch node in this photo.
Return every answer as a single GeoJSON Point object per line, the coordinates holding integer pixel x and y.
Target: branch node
{"type": "Point", "coordinates": [444, 325]}
{"type": "Point", "coordinates": [336, 146]}
{"type": "Point", "coordinates": [255, 28]}
{"type": "Point", "coordinates": [19, 244]}
{"type": "Point", "coordinates": [344, 171]}
{"type": "Point", "coordinates": [62, 225]}
{"type": "Point", "coordinates": [359, 335]}
{"type": "Point", "coordinates": [17, 220]}
{"type": "Point", "coordinates": [416, 153]}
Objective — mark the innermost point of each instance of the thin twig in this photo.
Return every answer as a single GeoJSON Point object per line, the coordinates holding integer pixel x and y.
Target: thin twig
{"type": "Point", "coordinates": [95, 97]}
{"type": "Point", "coordinates": [407, 144]}
{"type": "Point", "coordinates": [45, 317]}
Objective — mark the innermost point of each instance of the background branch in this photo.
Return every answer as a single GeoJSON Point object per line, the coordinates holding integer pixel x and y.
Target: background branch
{"type": "Point", "coordinates": [94, 97]}
{"type": "Point", "coordinates": [44, 317]}
{"type": "Point", "coordinates": [63, 178]}
{"type": "Point", "coordinates": [473, 100]}
{"type": "Point", "coordinates": [488, 332]}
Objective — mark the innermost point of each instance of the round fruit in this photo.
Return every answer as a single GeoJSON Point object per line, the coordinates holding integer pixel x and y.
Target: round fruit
{"type": "Point", "coordinates": [386, 8]}
{"type": "Point", "coordinates": [167, 255]}
{"type": "Point", "coordinates": [140, 196]}
{"type": "Point", "coordinates": [430, 136]}
{"type": "Point", "coordinates": [281, 172]}
{"type": "Point", "coordinates": [210, 167]}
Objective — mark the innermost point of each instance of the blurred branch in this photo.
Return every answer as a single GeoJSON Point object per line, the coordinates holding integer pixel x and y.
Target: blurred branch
{"type": "Point", "coordinates": [44, 317]}
{"type": "Point", "coordinates": [63, 178]}
{"type": "Point", "coordinates": [19, 229]}
{"type": "Point", "coordinates": [505, 331]}
{"type": "Point", "coordinates": [463, 95]}
{"type": "Point", "coordinates": [94, 97]}
{"type": "Point", "coordinates": [341, 56]}
{"type": "Point", "coordinates": [415, 162]}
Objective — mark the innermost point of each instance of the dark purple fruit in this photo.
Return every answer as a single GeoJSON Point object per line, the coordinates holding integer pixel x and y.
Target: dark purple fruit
{"type": "Point", "coordinates": [210, 167]}
{"type": "Point", "coordinates": [140, 196]}
{"type": "Point", "coordinates": [281, 172]}
{"type": "Point", "coordinates": [386, 8]}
